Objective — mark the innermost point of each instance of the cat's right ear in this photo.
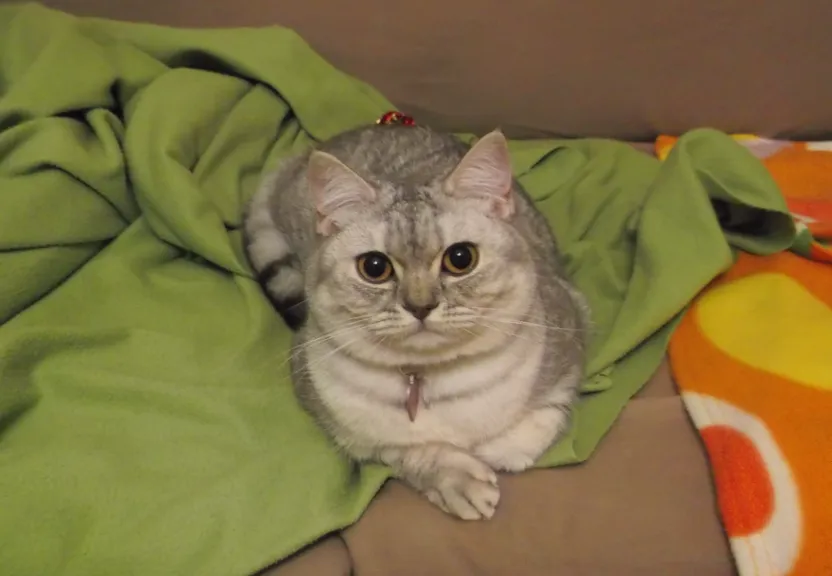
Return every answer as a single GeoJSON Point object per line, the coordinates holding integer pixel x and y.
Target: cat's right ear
{"type": "Point", "coordinates": [339, 194]}
{"type": "Point", "coordinates": [484, 176]}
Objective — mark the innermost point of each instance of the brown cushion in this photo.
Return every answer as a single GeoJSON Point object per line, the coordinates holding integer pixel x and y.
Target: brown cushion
{"type": "Point", "coordinates": [643, 505]}
{"type": "Point", "coordinates": [591, 67]}
{"type": "Point", "coordinates": [329, 557]}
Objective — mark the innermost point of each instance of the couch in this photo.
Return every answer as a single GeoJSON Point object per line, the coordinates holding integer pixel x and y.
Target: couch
{"type": "Point", "coordinates": [644, 503]}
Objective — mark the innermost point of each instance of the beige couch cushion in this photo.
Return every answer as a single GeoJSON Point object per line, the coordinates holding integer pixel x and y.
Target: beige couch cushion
{"type": "Point", "coordinates": [329, 557]}
{"type": "Point", "coordinates": [591, 67]}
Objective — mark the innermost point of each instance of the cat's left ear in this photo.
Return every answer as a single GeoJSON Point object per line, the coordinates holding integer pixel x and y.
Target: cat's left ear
{"type": "Point", "coordinates": [340, 195]}
{"type": "Point", "coordinates": [484, 174]}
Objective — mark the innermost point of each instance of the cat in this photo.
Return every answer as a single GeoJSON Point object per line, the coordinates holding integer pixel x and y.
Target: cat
{"type": "Point", "coordinates": [436, 330]}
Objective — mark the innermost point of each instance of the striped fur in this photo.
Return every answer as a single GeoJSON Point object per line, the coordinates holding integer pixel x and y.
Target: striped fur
{"type": "Point", "coordinates": [276, 265]}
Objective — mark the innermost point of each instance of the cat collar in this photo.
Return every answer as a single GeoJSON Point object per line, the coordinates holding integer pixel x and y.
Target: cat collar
{"type": "Point", "coordinates": [396, 117]}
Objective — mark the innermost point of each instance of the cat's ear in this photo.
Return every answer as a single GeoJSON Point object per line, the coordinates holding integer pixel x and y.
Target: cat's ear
{"type": "Point", "coordinates": [339, 194]}
{"type": "Point", "coordinates": [484, 174]}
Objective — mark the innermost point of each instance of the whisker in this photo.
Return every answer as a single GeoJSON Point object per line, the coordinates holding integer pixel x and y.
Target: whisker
{"type": "Point", "coordinates": [331, 352]}
{"type": "Point", "coordinates": [526, 322]}
{"type": "Point", "coordinates": [508, 335]}
{"type": "Point", "coordinates": [536, 325]}
{"type": "Point", "coordinates": [344, 329]}
{"type": "Point", "coordinates": [337, 349]}
{"type": "Point", "coordinates": [467, 331]}
{"type": "Point", "coordinates": [345, 325]}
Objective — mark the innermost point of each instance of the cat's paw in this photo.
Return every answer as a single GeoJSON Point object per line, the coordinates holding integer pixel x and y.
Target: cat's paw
{"type": "Point", "coordinates": [452, 479]}
{"type": "Point", "coordinates": [519, 447]}
{"type": "Point", "coordinates": [506, 458]}
{"type": "Point", "coordinates": [511, 452]}
{"type": "Point", "coordinates": [467, 491]}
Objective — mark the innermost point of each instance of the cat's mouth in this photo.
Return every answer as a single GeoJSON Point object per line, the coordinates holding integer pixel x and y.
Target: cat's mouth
{"type": "Point", "coordinates": [419, 330]}
{"type": "Point", "coordinates": [428, 336]}
{"type": "Point", "coordinates": [423, 338]}
{"type": "Point", "coordinates": [437, 328]}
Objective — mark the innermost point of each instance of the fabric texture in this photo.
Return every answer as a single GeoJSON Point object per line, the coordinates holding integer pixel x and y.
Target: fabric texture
{"type": "Point", "coordinates": [752, 360]}
{"type": "Point", "coordinates": [148, 421]}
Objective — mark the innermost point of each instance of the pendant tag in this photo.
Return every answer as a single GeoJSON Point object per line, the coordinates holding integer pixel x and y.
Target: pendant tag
{"type": "Point", "coordinates": [414, 395]}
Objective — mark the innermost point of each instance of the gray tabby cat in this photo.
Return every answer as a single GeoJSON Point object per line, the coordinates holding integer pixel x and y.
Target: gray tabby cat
{"type": "Point", "coordinates": [437, 332]}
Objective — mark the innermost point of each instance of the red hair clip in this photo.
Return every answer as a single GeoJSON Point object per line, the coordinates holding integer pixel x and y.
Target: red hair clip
{"type": "Point", "coordinates": [395, 117]}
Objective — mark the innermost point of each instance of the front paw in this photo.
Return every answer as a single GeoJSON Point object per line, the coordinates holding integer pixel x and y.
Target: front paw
{"type": "Point", "coordinates": [451, 478]}
{"type": "Point", "coordinates": [469, 492]}
{"type": "Point", "coordinates": [506, 460]}
{"type": "Point", "coordinates": [519, 447]}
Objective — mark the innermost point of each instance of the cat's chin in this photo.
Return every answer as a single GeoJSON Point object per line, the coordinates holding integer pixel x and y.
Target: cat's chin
{"type": "Point", "coordinates": [427, 347]}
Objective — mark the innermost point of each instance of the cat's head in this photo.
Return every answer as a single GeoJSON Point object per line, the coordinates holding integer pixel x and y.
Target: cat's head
{"type": "Point", "coordinates": [423, 274]}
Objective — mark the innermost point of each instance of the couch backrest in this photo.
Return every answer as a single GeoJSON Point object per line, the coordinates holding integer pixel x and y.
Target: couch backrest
{"type": "Point", "coordinates": [559, 67]}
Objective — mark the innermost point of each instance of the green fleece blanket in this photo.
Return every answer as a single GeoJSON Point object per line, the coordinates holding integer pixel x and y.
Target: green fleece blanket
{"type": "Point", "coordinates": [147, 422]}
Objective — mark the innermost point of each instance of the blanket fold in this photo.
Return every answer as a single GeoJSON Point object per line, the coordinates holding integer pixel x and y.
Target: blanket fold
{"type": "Point", "coordinates": [148, 421]}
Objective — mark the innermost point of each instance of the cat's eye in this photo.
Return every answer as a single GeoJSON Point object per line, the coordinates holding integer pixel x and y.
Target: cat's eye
{"type": "Point", "coordinates": [374, 267]}
{"type": "Point", "coordinates": [460, 259]}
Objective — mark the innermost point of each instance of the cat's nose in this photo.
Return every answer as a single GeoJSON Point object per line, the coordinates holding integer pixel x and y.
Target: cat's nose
{"type": "Point", "coordinates": [419, 311]}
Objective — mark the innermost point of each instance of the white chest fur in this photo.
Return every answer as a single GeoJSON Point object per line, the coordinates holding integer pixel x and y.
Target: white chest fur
{"type": "Point", "coordinates": [462, 404]}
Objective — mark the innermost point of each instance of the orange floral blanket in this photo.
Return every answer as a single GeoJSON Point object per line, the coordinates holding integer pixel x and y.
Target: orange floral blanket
{"type": "Point", "coordinates": [752, 357]}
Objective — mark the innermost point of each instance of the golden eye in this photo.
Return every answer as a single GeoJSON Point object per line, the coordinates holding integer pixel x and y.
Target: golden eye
{"type": "Point", "coordinates": [374, 267]}
{"type": "Point", "coordinates": [460, 259]}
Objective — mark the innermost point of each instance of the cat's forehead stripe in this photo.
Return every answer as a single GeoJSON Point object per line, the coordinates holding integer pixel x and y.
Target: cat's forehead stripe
{"type": "Point", "coordinates": [413, 232]}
